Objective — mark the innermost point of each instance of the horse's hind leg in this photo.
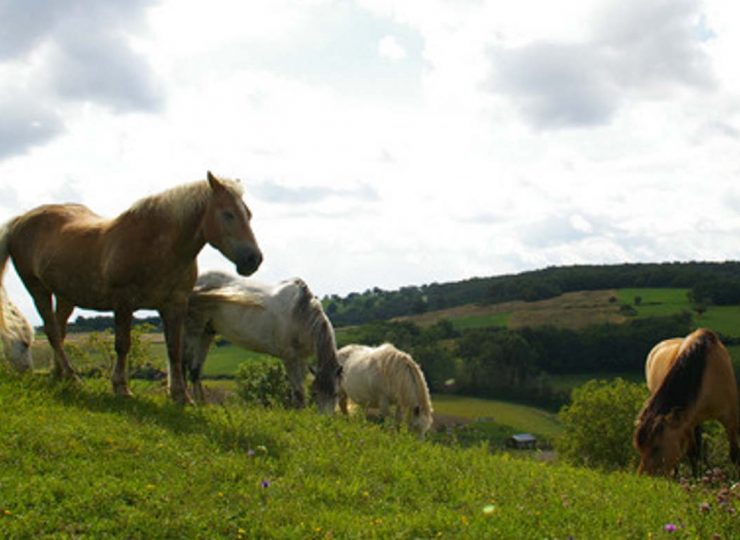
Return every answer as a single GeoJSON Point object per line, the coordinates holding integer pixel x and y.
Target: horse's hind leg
{"type": "Point", "coordinates": [119, 377]}
{"type": "Point", "coordinates": [43, 301]}
{"type": "Point", "coordinates": [198, 338]}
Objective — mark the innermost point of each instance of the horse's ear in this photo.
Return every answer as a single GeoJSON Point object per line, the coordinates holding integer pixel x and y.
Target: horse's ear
{"type": "Point", "coordinates": [214, 182]}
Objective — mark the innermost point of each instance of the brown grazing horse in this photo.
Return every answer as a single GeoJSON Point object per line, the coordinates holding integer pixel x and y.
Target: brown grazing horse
{"type": "Point", "coordinates": [143, 259]}
{"type": "Point", "coordinates": [691, 380]}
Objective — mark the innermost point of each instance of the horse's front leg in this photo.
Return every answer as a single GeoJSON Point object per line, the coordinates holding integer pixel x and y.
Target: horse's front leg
{"type": "Point", "coordinates": [400, 415]}
{"type": "Point", "coordinates": [297, 377]}
{"type": "Point", "coordinates": [731, 424]}
{"type": "Point", "coordinates": [119, 378]}
{"type": "Point", "coordinates": [173, 318]}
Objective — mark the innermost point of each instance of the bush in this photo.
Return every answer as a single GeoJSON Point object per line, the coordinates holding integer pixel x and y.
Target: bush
{"type": "Point", "coordinates": [263, 381]}
{"type": "Point", "coordinates": [599, 423]}
{"type": "Point", "coordinates": [95, 355]}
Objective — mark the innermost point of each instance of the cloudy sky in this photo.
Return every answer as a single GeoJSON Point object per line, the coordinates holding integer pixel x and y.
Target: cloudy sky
{"type": "Point", "coordinates": [387, 143]}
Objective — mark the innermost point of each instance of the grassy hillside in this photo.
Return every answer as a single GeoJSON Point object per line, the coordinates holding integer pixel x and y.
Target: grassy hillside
{"type": "Point", "coordinates": [522, 417]}
{"type": "Point", "coordinates": [77, 462]}
{"type": "Point", "coordinates": [577, 310]}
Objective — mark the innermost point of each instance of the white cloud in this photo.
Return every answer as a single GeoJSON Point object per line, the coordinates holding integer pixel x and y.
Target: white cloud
{"type": "Point", "coordinates": [389, 48]}
{"type": "Point", "coordinates": [457, 159]}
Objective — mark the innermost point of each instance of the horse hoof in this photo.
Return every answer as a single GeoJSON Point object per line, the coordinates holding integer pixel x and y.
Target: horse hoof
{"type": "Point", "coordinates": [182, 398]}
{"type": "Point", "coordinates": [123, 391]}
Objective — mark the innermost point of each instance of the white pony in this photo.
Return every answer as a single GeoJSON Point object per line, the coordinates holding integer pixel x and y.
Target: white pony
{"type": "Point", "coordinates": [16, 334]}
{"type": "Point", "coordinates": [383, 376]}
{"type": "Point", "coordinates": [284, 320]}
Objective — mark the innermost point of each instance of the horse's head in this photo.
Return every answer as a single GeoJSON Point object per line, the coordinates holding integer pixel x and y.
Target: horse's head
{"type": "Point", "coordinates": [420, 422]}
{"type": "Point", "coordinates": [18, 353]}
{"type": "Point", "coordinates": [325, 388]}
{"type": "Point", "coordinates": [226, 227]}
{"type": "Point", "coordinates": [661, 441]}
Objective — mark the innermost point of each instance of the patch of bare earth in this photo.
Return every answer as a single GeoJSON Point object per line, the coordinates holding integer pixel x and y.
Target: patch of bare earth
{"type": "Point", "coordinates": [573, 310]}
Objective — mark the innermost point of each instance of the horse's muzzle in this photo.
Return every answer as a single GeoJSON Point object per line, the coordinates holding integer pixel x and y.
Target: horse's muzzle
{"type": "Point", "coordinates": [248, 263]}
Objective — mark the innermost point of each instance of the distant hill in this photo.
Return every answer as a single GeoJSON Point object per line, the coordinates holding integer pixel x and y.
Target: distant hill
{"type": "Point", "coordinates": [706, 282]}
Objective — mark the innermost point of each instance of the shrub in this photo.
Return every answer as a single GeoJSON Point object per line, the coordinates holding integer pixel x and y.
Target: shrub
{"type": "Point", "coordinates": [599, 423]}
{"type": "Point", "coordinates": [95, 355]}
{"type": "Point", "coordinates": [263, 381]}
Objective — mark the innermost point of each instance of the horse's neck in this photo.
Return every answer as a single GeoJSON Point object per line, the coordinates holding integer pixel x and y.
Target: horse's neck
{"type": "Point", "coordinates": [181, 235]}
{"type": "Point", "coordinates": [190, 239]}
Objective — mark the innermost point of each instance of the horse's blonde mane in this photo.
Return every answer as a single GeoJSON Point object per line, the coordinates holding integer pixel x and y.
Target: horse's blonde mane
{"type": "Point", "coordinates": [184, 199]}
{"type": "Point", "coordinates": [402, 370]}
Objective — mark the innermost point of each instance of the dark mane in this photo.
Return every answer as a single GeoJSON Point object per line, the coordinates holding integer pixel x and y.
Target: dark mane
{"type": "Point", "coordinates": [308, 309]}
{"type": "Point", "coordinates": [680, 388]}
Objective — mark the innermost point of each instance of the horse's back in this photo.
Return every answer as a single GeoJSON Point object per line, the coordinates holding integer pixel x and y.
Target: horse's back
{"type": "Point", "coordinates": [252, 314]}
{"type": "Point", "coordinates": [51, 223]}
{"type": "Point", "coordinates": [659, 361]}
{"type": "Point", "coordinates": [719, 388]}
{"type": "Point", "coordinates": [55, 245]}
{"type": "Point", "coordinates": [361, 378]}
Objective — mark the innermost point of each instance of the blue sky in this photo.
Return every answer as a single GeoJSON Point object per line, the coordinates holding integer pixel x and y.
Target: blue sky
{"type": "Point", "coordinates": [388, 143]}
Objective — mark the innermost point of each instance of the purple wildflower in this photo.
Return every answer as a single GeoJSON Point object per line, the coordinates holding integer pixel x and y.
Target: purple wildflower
{"type": "Point", "coordinates": [669, 527]}
{"type": "Point", "coordinates": [265, 483]}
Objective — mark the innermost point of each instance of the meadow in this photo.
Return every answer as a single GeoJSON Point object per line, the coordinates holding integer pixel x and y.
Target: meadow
{"type": "Point", "coordinates": [79, 462]}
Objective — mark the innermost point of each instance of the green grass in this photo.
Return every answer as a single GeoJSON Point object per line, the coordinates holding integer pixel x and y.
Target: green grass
{"type": "Point", "coordinates": [722, 319]}
{"type": "Point", "coordinates": [78, 462]}
{"type": "Point", "coordinates": [223, 360]}
{"type": "Point", "coordinates": [521, 417]}
{"type": "Point", "coordinates": [656, 302]}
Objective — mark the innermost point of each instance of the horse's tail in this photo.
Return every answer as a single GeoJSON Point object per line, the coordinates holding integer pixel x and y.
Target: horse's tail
{"type": "Point", "coordinates": [5, 230]}
{"type": "Point", "coordinates": [224, 295]}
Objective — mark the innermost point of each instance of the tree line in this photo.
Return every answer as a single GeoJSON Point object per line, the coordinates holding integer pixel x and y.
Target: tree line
{"type": "Point", "coordinates": [709, 283]}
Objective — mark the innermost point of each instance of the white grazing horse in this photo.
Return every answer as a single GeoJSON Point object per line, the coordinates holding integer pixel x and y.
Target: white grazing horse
{"type": "Point", "coordinates": [16, 334]}
{"type": "Point", "coordinates": [284, 320]}
{"type": "Point", "coordinates": [383, 376]}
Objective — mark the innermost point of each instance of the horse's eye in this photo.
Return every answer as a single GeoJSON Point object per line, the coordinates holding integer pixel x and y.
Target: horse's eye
{"type": "Point", "coordinates": [228, 215]}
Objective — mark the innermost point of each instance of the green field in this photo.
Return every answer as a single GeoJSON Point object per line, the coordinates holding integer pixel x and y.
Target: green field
{"type": "Point", "coordinates": [223, 360]}
{"type": "Point", "coordinates": [662, 302]}
{"type": "Point", "coordinates": [481, 321]}
{"type": "Point", "coordinates": [77, 462]}
{"type": "Point", "coordinates": [522, 417]}
{"type": "Point", "coordinates": [655, 302]}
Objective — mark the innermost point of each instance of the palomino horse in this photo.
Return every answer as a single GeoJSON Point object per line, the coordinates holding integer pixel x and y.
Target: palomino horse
{"type": "Point", "coordinates": [383, 376]}
{"type": "Point", "coordinates": [691, 380]}
{"type": "Point", "coordinates": [283, 320]}
{"type": "Point", "coordinates": [144, 258]}
{"type": "Point", "coordinates": [16, 334]}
